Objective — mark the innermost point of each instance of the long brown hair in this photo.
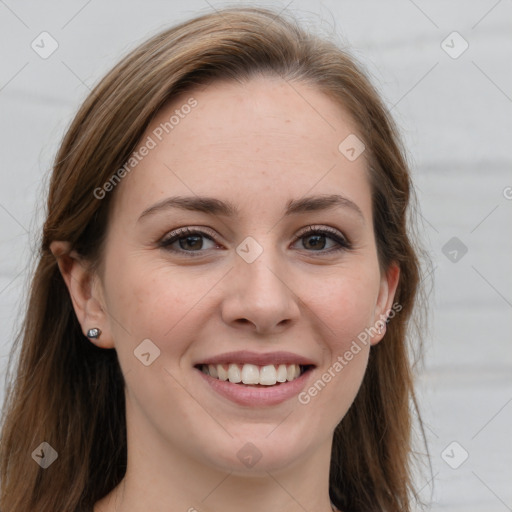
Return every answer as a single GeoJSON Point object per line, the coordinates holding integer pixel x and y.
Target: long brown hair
{"type": "Point", "coordinates": [70, 394]}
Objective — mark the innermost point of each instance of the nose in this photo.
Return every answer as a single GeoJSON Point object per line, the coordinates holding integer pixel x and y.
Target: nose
{"type": "Point", "coordinates": [259, 296]}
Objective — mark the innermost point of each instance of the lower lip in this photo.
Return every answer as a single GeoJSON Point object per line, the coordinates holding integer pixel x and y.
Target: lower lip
{"type": "Point", "coordinates": [253, 395]}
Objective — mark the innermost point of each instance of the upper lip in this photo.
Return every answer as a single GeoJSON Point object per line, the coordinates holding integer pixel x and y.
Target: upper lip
{"type": "Point", "coordinates": [259, 359]}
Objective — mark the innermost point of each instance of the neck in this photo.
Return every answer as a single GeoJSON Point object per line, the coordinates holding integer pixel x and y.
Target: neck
{"type": "Point", "coordinates": [160, 480]}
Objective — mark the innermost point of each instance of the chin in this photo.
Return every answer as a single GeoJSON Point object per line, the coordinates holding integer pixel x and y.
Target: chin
{"type": "Point", "coordinates": [260, 449]}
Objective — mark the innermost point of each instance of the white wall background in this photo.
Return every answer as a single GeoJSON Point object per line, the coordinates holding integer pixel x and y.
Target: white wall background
{"type": "Point", "coordinates": [456, 117]}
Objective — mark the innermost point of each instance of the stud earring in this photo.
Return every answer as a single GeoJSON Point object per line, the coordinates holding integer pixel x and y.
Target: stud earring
{"type": "Point", "coordinates": [94, 333]}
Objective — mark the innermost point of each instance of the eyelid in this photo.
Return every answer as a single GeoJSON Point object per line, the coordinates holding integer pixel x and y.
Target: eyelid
{"type": "Point", "coordinates": [189, 230]}
{"type": "Point", "coordinates": [325, 229]}
{"type": "Point", "coordinates": [344, 243]}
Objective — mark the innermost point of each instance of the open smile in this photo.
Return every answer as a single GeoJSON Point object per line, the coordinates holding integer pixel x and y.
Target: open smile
{"type": "Point", "coordinates": [253, 379]}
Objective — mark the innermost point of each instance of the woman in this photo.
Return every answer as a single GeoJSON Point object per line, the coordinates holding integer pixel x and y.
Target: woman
{"type": "Point", "coordinates": [218, 317]}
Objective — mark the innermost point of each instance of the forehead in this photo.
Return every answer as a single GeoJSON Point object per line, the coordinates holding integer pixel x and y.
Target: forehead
{"type": "Point", "coordinates": [265, 138]}
{"type": "Point", "coordinates": [236, 116]}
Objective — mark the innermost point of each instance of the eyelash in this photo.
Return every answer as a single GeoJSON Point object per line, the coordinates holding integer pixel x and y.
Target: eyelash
{"type": "Point", "coordinates": [182, 233]}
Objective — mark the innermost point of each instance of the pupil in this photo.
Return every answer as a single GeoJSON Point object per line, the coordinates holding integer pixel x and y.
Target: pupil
{"type": "Point", "coordinates": [188, 238]}
{"type": "Point", "coordinates": [317, 244]}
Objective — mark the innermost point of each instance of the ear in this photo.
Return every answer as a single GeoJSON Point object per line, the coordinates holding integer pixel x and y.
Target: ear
{"type": "Point", "coordinates": [384, 307]}
{"type": "Point", "coordinates": [85, 291]}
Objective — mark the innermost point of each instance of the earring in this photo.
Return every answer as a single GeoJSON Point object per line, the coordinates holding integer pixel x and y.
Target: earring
{"type": "Point", "coordinates": [383, 327]}
{"type": "Point", "coordinates": [94, 333]}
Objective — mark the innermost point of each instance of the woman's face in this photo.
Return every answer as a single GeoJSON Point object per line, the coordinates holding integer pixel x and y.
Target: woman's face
{"type": "Point", "coordinates": [249, 285]}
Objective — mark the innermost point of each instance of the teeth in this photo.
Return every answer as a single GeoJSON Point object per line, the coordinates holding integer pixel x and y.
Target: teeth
{"type": "Point", "coordinates": [221, 371]}
{"type": "Point", "coordinates": [268, 375]}
{"type": "Point", "coordinates": [234, 374]}
{"type": "Point", "coordinates": [250, 374]}
{"type": "Point", "coordinates": [281, 373]}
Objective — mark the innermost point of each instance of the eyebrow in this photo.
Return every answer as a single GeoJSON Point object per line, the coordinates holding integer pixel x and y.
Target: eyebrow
{"type": "Point", "coordinates": [215, 206]}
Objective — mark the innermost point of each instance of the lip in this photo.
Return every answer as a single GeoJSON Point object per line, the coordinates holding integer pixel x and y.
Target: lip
{"type": "Point", "coordinates": [259, 359]}
{"type": "Point", "coordinates": [243, 394]}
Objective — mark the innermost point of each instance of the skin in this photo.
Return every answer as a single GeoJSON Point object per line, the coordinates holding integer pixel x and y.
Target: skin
{"type": "Point", "coordinates": [259, 145]}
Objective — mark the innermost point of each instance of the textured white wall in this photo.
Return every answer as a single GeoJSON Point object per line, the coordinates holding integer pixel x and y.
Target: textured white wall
{"type": "Point", "coordinates": [455, 112]}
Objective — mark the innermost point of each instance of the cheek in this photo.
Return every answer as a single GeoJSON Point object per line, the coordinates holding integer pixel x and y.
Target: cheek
{"type": "Point", "coordinates": [154, 300]}
{"type": "Point", "coordinates": [346, 304]}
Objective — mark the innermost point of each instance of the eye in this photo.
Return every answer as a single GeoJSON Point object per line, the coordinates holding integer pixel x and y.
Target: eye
{"type": "Point", "coordinates": [314, 239]}
{"type": "Point", "coordinates": [191, 241]}
{"type": "Point", "coordinates": [187, 240]}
